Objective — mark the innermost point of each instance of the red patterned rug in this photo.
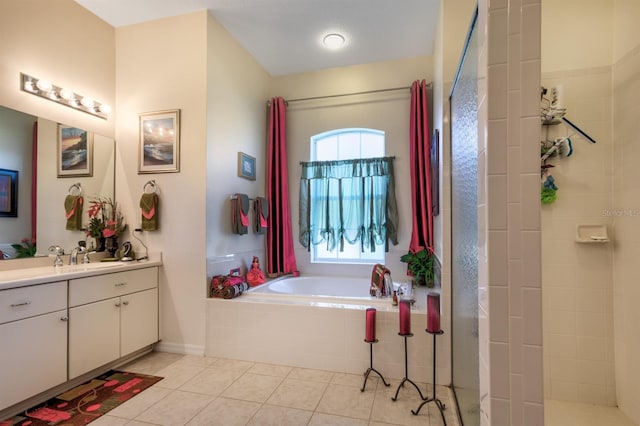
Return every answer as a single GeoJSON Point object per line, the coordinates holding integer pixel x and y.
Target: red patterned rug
{"type": "Point", "coordinates": [86, 402]}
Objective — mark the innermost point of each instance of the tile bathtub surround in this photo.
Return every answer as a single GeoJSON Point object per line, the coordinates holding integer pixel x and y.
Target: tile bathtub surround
{"type": "Point", "coordinates": [216, 391]}
{"type": "Point", "coordinates": [324, 337]}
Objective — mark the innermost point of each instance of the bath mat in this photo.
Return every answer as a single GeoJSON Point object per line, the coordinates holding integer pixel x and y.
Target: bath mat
{"type": "Point", "coordinates": [86, 402]}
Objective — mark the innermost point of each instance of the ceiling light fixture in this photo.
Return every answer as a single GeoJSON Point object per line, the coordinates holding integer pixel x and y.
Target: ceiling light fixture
{"type": "Point", "coordinates": [333, 41]}
{"type": "Point", "coordinates": [47, 90]}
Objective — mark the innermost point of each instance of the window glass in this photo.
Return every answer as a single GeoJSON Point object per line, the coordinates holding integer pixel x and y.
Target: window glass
{"type": "Point", "coordinates": [345, 144]}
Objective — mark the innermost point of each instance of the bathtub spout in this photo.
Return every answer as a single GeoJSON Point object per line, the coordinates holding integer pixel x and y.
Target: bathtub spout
{"type": "Point", "coordinates": [388, 285]}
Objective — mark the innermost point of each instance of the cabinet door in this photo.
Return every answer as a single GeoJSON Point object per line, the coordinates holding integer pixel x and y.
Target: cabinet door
{"type": "Point", "coordinates": [94, 335]}
{"type": "Point", "coordinates": [139, 320]}
{"type": "Point", "coordinates": [33, 354]}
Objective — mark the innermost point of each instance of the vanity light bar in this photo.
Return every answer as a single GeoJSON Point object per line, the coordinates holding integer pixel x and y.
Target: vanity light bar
{"type": "Point", "coordinates": [47, 90]}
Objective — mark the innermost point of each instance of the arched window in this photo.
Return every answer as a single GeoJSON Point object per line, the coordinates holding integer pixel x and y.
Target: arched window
{"type": "Point", "coordinates": [346, 243]}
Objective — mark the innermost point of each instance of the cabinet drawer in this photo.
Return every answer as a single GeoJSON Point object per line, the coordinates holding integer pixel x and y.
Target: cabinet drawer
{"type": "Point", "coordinates": [25, 302]}
{"type": "Point", "coordinates": [92, 289]}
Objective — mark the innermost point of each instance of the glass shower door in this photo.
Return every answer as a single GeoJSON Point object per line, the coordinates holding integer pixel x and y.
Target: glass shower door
{"type": "Point", "coordinates": [464, 233]}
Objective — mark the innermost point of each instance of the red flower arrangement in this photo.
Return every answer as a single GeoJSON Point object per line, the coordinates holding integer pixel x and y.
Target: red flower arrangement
{"type": "Point", "coordinates": [105, 219]}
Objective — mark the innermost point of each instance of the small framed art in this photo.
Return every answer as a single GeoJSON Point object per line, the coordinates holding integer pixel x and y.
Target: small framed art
{"type": "Point", "coordinates": [246, 166]}
{"type": "Point", "coordinates": [159, 150]}
{"type": "Point", "coordinates": [74, 152]}
{"type": "Point", "coordinates": [8, 193]}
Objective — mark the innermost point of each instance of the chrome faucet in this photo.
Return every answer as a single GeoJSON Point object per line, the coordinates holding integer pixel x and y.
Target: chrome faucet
{"type": "Point", "coordinates": [81, 249]}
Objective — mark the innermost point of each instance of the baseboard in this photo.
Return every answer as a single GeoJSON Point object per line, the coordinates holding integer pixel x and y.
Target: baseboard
{"type": "Point", "coordinates": [179, 348]}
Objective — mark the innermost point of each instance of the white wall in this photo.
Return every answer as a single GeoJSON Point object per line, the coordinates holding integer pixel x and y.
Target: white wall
{"type": "Point", "coordinates": [236, 122]}
{"type": "Point", "coordinates": [64, 43]}
{"type": "Point", "coordinates": [626, 36]}
{"type": "Point", "coordinates": [578, 34]}
{"type": "Point", "coordinates": [388, 112]}
{"type": "Point", "coordinates": [626, 235]}
{"type": "Point", "coordinates": [175, 79]}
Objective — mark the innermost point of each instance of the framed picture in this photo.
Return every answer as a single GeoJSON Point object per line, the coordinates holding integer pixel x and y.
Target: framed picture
{"type": "Point", "coordinates": [159, 150]}
{"type": "Point", "coordinates": [74, 152]}
{"type": "Point", "coordinates": [8, 193]}
{"type": "Point", "coordinates": [435, 173]}
{"type": "Point", "coordinates": [246, 166]}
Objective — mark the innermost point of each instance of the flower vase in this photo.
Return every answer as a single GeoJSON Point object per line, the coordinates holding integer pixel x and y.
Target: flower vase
{"type": "Point", "coordinates": [100, 243]}
{"type": "Point", "coordinates": [111, 244]}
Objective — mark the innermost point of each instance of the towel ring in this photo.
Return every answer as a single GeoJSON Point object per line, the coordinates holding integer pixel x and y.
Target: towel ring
{"type": "Point", "coordinates": [77, 186]}
{"type": "Point", "coordinates": [152, 184]}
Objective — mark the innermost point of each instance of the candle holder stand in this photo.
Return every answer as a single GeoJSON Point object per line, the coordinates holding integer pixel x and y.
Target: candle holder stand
{"type": "Point", "coordinates": [370, 369]}
{"type": "Point", "coordinates": [434, 399]}
{"type": "Point", "coordinates": [406, 371]}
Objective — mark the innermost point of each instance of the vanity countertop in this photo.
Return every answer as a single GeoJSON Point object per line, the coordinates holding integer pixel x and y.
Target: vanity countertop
{"type": "Point", "coordinates": [46, 274]}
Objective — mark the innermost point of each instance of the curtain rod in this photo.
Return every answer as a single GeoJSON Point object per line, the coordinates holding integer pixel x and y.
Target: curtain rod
{"type": "Point", "coordinates": [366, 92]}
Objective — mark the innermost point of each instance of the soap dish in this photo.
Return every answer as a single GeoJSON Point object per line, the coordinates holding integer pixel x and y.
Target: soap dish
{"type": "Point", "coordinates": [592, 234]}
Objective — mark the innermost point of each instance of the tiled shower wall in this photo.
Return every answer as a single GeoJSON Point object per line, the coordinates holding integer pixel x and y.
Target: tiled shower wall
{"type": "Point", "coordinates": [577, 279]}
{"type": "Point", "coordinates": [509, 213]}
{"type": "Point", "coordinates": [626, 179]}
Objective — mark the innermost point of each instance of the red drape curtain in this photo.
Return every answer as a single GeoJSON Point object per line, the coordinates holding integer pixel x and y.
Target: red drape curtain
{"type": "Point", "coordinates": [34, 183]}
{"type": "Point", "coordinates": [420, 169]}
{"type": "Point", "coordinates": [280, 255]}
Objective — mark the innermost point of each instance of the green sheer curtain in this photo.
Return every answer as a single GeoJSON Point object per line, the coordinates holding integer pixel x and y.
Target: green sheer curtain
{"type": "Point", "coordinates": [350, 201]}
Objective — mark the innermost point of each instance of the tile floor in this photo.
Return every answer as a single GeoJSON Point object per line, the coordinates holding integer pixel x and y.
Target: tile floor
{"type": "Point", "coordinates": [563, 413]}
{"type": "Point", "coordinates": [213, 391]}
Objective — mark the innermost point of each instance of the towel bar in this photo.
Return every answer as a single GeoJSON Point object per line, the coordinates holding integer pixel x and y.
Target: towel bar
{"type": "Point", "coordinates": [152, 184]}
{"type": "Point", "coordinates": [77, 186]}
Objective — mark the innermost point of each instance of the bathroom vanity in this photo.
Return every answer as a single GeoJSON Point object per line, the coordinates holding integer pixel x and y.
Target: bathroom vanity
{"type": "Point", "coordinates": [63, 325]}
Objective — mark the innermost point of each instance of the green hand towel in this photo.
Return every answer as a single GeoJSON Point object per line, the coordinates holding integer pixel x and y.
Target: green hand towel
{"type": "Point", "coordinates": [149, 207]}
{"type": "Point", "coordinates": [73, 212]}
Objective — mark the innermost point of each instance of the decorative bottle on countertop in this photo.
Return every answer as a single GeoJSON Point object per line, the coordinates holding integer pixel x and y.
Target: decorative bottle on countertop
{"type": "Point", "coordinates": [395, 299]}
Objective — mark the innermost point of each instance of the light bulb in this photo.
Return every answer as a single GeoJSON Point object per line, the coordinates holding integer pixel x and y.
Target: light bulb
{"type": "Point", "coordinates": [104, 108]}
{"type": "Point", "coordinates": [66, 94]}
{"type": "Point", "coordinates": [44, 85]}
{"type": "Point", "coordinates": [29, 86]}
{"type": "Point", "coordinates": [87, 102]}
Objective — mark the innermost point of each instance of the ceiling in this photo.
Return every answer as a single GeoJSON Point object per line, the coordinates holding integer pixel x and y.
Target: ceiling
{"type": "Point", "coordinates": [285, 36]}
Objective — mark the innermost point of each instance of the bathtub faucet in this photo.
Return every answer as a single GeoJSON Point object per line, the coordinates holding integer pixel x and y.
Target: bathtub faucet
{"type": "Point", "coordinates": [388, 285]}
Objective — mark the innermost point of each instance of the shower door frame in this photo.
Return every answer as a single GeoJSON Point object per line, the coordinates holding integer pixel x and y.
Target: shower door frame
{"type": "Point", "coordinates": [472, 27]}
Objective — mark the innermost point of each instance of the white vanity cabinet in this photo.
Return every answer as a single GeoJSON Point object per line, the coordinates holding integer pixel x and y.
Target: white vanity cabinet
{"type": "Point", "coordinates": [33, 340]}
{"type": "Point", "coordinates": [111, 316]}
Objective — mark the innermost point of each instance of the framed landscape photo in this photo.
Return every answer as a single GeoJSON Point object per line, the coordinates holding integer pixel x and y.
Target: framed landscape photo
{"type": "Point", "coordinates": [159, 150]}
{"type": "Point", "coordinates": [74, 152]}
{"type": "Point", "coordinates": [8, 193]}
{"type": "Point", "coordinates": [246, 166]}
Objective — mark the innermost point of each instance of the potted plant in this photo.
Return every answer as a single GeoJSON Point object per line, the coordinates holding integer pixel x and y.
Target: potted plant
{"type": "Point", "coordinates": [420, 265]}
{"type": "Point", "coordinates": [106, 223]}
{"type": "Point", "coordinates": [26, 249]}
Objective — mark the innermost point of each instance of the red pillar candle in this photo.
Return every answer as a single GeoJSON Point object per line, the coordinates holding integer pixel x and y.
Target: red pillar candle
{"type": "Point", "coordinates": [433, 312]}
{"type": "Point", "coordinates": [370, 332]}
{"type": "Point", "coordinates": [405, 317]}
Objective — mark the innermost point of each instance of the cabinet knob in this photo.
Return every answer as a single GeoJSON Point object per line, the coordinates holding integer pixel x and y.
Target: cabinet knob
{"type": "Point", "coordinates": [120, 284]}
{"type": "Point", "coordinates": [15, 305]}
{"type": "Point", "coordinates": [65, 319]}
{"type": "Point", "coordinates": [117, 304]}
{"type": "Point", "coordinates": [125, 303]}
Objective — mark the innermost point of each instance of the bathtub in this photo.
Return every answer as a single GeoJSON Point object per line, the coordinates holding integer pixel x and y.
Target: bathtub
{"type": "Point", "coordinates": [316, 323]}
{"type": "Point", "coordinates": [351, 288]}
{"type": "Point", "coordinates": [318, 289]}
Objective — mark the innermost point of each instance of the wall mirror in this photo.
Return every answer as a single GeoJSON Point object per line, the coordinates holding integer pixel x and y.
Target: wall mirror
{"type": "Point", "coordinates": [42, 189]}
